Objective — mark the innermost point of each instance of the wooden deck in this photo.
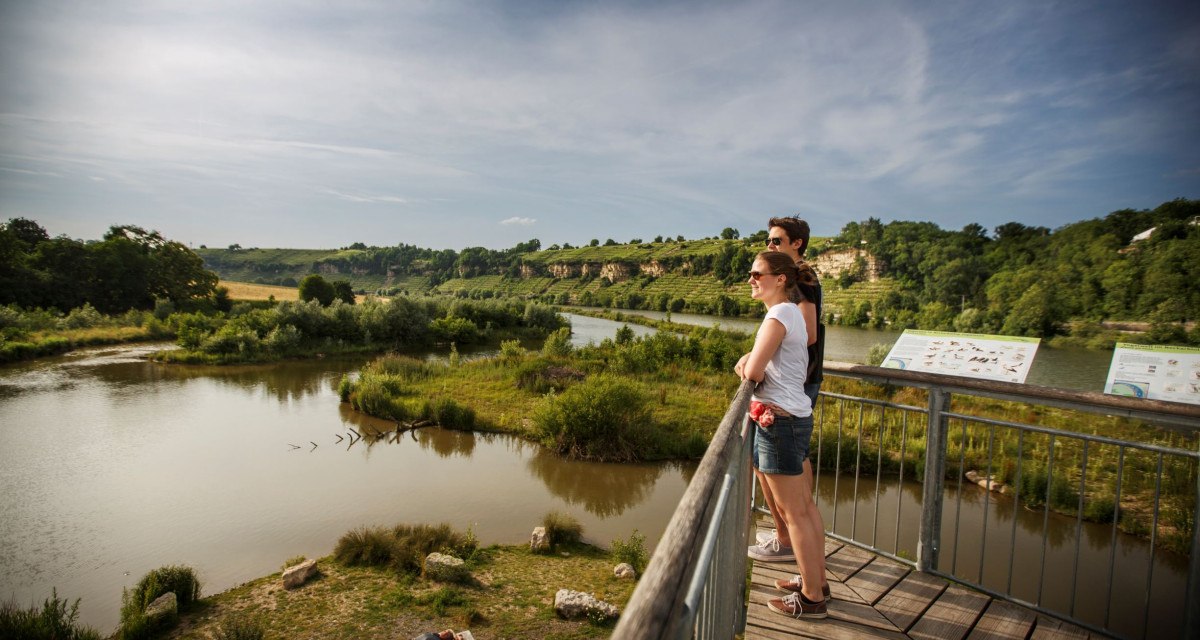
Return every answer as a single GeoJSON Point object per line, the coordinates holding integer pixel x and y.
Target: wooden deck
{"type": "Point", "coordinates": [874, 597]}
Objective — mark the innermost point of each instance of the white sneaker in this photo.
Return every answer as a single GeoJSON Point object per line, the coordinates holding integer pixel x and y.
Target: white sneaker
{"type": "Point", "coordinates": [771, 551]}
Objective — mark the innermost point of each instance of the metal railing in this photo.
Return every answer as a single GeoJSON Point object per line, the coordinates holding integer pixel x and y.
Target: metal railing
{"type": "Point", "coordinates": [695, 583]}
{"type": "Point", "coordinates": [1045, 480]}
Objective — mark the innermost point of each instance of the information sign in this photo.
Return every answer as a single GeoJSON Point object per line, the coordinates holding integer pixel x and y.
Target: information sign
{"type": "Point", "coordinates": [1159, 372]}
{"type": "Point", "coordinates": [971, 355]}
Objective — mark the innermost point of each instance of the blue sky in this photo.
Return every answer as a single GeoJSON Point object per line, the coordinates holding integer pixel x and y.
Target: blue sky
{"type": "Point", "coordinates": [448, 123]}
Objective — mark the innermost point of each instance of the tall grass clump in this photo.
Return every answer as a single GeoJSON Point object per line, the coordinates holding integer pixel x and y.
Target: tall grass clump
{"type": "Point", "coordinates": [54, 620]}
{"type": "Point", "coordinates": [561, 529]}
{"type": "Point", "coordinates": [177, 579]}
{"type": "Point", "coordinates": [602, 418]}
{"type": "Point", "coordinates": [403, 547]}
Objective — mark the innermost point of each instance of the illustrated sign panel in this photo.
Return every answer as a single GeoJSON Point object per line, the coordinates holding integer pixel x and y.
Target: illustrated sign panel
{"type": "Point", "coordinates": [1159, 372]}
{"type": "Point", "coordinates": [971, 355]}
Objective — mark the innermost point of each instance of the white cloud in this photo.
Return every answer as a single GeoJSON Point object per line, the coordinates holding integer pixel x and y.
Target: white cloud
{"type": "Point", "coordinates": [525, 222]}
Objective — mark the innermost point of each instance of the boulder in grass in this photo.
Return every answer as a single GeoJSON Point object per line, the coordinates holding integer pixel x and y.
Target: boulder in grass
{"type": "Point", "coordinates": [444, 568]}
{"type": "Point", "coordinates": [577, 604]}
{"type": "Point", "coordinates": [624, 571]}
{"type": "Point", "coordinates": [539, 541]}
{"type": "Point", "coordinates": [296, 575]}
{"type": "Point", "coordinates": [163, 611]}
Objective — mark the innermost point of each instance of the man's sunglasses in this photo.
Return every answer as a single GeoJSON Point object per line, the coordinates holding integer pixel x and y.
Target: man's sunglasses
{"type": "Point", "coordinates": [774, 241]}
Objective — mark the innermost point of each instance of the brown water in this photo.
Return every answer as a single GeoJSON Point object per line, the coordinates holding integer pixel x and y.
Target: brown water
{"type": "Point", "coordinates": [111, 465]}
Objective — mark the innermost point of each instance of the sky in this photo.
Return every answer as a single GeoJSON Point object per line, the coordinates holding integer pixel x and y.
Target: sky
{"type": "Point", "coordinates": [455, 123]}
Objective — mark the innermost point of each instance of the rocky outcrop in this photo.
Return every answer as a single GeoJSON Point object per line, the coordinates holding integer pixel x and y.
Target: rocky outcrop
{"type": "Point", "coordinates": [564, 270]}
{"type": "Point", "coordinates": [539, 541]}
{"type": "Point", "coordinates": [615, 271]}
{"type": "Point", "coordinates": [834, 263]}
{"type": "Point", "coordinates": [988, 482]}
{"type": "Point", "coordinates": [653, 268]}
{"type": "Point", "coordinates": [577, 604]}
{"type": "Point", "coordinates": [624, 571]}
{"type": "Point", "coordinates": [163, 611]}
{"type": "Point", "coordinates": [297, 575]}
{"type": "Point", "coordinates": [439, 566]}
{"type": "Point", "coordinates": [327, 269]}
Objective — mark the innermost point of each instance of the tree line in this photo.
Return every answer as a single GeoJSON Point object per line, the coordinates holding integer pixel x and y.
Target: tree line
{"type": "Point", "coordinates": [130, 268]}
{"type": "Point", "coordinates": [1029, 280]}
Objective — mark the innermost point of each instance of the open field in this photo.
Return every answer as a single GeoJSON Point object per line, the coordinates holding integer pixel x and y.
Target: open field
{"type": "Point", "coordinates": [255, 292]}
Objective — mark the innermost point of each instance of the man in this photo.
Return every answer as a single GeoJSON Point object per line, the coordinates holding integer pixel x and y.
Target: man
{"type": "Point", "coordinates": [790, 235]}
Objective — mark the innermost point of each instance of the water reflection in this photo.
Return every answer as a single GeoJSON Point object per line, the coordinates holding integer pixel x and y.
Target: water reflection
{"type": "Point", "coordinates": [446, 443]}
{"type": "Point", "coordinates": [603, 489]}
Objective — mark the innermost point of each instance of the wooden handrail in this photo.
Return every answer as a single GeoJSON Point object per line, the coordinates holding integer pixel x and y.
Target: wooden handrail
{"type": "Point", "coordinates": [651, 612]}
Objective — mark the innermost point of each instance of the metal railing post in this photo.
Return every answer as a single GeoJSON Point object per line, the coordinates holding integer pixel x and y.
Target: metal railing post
{"type": "Point", "coordinates": [936, 430]}
{"type": "Point", "coordinates": [1191, 620]}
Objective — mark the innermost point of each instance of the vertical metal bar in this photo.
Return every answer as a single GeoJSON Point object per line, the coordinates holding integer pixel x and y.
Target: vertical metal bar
{"type": "Point", "coordinates": [1112, 544]}
{"type": "Point", "coordinates": [837, 464]}
{"type": "Point", "coordinates": [1153, 540]}
{"type": "Point", "coordinates": [857, 464]}
{"type": "Point", "coordinates": [962, 462]}
{"type": "Point", "coordinates": [1191, 621]}
{"type": "Point", "coordinates": [878, 477]}
{"type": "Point", "coordinates": [817, 468]}
{"type": "Point", "coordinates": [1079, 527]}
{"type": "Point", "coordinates": [900, 484]}
{"type": "Point", "coordinates": [1012, 543]}
{"type": "Point", "coordinates": [1046, 519]}
{"type": "Point", "coordinates": [987, 494]}
{"type": "Point", "coordinates": [929, 542]}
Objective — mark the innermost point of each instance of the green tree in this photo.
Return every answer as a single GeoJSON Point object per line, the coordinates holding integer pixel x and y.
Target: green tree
{"type": "Point", "coordinates": [343, 291]}
{"type": "Point", "coordinates": [314, 287]}
{"type": "Point", "coordinates": [729, 233]}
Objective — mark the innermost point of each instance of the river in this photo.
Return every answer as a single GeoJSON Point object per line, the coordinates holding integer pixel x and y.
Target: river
{"type": "Point", "coordinates": [111, 465]}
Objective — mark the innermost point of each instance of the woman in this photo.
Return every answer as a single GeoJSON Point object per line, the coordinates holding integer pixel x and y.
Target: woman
{"type": "Point", "coordinates": [783, 423]}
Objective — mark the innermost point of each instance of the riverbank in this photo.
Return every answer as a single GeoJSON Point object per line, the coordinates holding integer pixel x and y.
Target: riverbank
{"type": "Point", "coordinates": [513, 598]}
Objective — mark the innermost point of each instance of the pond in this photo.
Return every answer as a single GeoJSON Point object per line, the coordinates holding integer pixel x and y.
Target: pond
{"type": "Point", "coordinates": [112, 465]}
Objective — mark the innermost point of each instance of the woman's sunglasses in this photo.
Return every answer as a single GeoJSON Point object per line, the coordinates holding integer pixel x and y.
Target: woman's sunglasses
{"type": "Point", "coordinates": [774, 241]}
{"type": "Point", "coordinates": [758, 274]}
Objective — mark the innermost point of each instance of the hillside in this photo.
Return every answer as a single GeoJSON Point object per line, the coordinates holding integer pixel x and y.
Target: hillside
{"type": "Point", "coordinates": [702, 276]}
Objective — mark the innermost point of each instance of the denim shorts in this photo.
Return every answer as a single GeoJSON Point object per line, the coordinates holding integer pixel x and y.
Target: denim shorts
{"type": "Point", "coordinates": [782, 447]}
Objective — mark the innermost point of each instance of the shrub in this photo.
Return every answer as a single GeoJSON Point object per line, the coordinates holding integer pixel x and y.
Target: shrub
{"type": "Point", "coordinates": [282, 339]}
{"type": "Point", "coordinates": [458, 330]}
{"type": "Point", "coordinates": [54, 620]}
{"type": "Point", "coordinates": [561, 529]}
{"type": "Point", "coordinates": [601, 418]}
{"type": "Point", "coordinates": [511, 350]}
{"type": "Point", "coordinates": [558, 343]}
{"type": "Point", "coordinates": [632, 551]}
{"type": "Point", "coordinates": [179, 579]}
{"type": "Point", "coordinates": [238, 627]}
{"type": "Point", "coordinates": [371, 547]}
{"type": "Point", "coordinates": [450, 415]}
{"type": "Point", "coordinates": [877, 353]}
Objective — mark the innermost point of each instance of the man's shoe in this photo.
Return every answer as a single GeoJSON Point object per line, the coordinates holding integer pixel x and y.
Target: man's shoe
{"type": "Point", "coordinates": [795, 585]}
{"type": "Point", "coordinates": [796, 606]}
{"type": "Point", "coordinates": [771, 551]}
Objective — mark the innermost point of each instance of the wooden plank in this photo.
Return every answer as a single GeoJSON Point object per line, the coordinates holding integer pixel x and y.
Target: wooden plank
{"type": "Point", "coordinates": [1003, 621]}
{"type": "Point", "coordinates": [1047, 628]}
{"type": "Point", "coordinates": [952, 616]}
{"type": "Point", "coordinates": [910, 598]}
{"type": "Point", "coordinates": [874, 580]}
{"type": "Point", "coordinates": [854, 613]}
{"type": "Point", "coordinates": [847, 561]}
{"type": "Point", "coordinates": [767, 576]}
{"type": "Point", "coordinates": [768, 624]}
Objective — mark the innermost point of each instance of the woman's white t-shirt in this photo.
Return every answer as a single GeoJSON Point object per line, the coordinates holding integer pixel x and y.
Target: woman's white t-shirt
{"type": "Point", "coordinates": [783, 384]}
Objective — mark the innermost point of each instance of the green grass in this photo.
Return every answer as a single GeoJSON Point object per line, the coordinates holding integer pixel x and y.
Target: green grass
{"type": "Point", "coordinates": [512, 598]}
